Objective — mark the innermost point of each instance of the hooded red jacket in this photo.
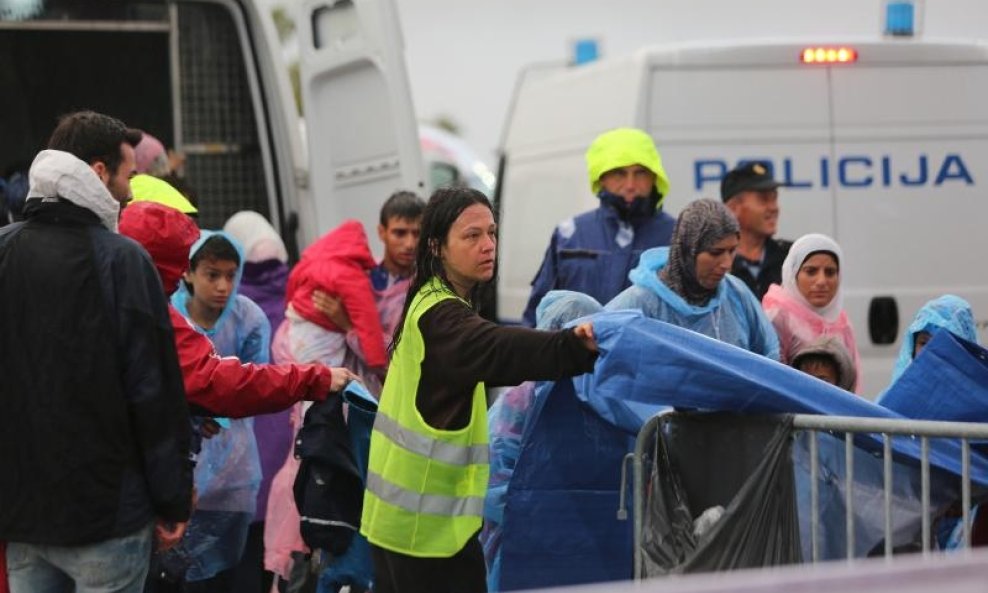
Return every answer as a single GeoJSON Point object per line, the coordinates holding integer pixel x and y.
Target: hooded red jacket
{"type": "Point", "coordinates": [221, 386]}
{"type": "Point", "coordinates": [337, 264]}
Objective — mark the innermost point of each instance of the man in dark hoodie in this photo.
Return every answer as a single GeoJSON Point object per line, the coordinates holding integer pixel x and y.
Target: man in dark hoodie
{"type": "Point", "coordinates": [95, 428]}
{"type": "Point", "coordinates": [592, 253]}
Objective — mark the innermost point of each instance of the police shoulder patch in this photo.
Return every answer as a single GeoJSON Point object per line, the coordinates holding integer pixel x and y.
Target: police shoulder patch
{"type": "Point", "coordinates": [566, 228]}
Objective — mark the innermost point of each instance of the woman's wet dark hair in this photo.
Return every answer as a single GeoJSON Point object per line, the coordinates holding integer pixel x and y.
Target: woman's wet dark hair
{"type": "Point", "coordinates": [444, 207]}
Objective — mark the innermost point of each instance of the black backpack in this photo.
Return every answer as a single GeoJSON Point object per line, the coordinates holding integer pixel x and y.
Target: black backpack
{"type": "Point", "coordinates": [329, 488]}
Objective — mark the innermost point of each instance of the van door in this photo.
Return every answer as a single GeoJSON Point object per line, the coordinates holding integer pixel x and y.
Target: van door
{"type": "Point", "coordinates": [909, 170]}
{"type": "Point", "coordinates": [223, 119]}
{"type": "Point", "coordinates": [360, 121]}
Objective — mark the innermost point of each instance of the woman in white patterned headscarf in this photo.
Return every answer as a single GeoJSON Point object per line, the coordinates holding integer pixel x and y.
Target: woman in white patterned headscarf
{"type": "Point", "coordinates": [688, 284]}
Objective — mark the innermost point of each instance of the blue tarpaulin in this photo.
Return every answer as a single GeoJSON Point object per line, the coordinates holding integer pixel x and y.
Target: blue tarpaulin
{"type": "Point", "coordinates": [947, 381]}
{"type": "Point", "coordinates": [560, 524]}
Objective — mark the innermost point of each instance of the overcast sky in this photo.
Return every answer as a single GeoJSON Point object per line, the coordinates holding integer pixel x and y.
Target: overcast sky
{"type": "Point", "coordinates": [464, 56]}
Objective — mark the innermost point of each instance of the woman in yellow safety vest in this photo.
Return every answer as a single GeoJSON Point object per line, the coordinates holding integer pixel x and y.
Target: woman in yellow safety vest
{"type": "Point", "coordinates": [428, 467]}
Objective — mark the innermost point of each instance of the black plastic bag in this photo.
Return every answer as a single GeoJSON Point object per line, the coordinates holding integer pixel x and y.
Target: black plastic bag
{"type": "Point", "coordinates": [740, 463]}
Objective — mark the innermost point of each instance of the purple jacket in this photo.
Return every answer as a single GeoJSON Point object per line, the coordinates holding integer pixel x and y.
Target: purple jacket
{"type": "Point", "coordinates": [264, 283]}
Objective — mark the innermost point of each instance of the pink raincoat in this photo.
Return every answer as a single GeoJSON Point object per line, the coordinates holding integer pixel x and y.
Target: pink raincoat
{"type": "Point", "coordinates": [799, 323]}
{"type": "Point", "coordinates": [282, 534]}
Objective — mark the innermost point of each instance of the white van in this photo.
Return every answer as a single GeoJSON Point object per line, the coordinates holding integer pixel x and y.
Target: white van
{"type": "Point", "coordinates": [886, 151]}
{"type": "Point", "coordinates": [207, 77]}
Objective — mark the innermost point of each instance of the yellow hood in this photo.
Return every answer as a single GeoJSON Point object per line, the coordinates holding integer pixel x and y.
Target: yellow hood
{"type": "Point", "coordinates": [151, 189]}
{"type": "Point", "coordinates": [621, 148]}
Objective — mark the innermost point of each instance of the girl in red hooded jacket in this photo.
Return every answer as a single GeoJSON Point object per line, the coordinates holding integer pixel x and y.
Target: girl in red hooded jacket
{"type": "Point", "coordinates": [336, 264]}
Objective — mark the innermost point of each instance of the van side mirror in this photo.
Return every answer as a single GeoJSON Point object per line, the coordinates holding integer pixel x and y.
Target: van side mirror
{"type": "Point", "coordinates": [883, 320]}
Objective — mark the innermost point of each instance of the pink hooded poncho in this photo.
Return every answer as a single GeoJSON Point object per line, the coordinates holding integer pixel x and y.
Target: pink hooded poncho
{"type": "Point", "coordinates": [796, 321]}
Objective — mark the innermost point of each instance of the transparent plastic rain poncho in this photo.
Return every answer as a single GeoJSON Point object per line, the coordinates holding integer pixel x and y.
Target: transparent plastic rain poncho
{"type": "Point", "coordinates": [796, 321]}
{"type": "Point", "coordinates": [508, 418]}
{"type": "Point", "coordinates": [732, 314]}
{"type": "Point", "coordinates": [948, 312]}
{"type": "Point", "coordinates": [228, 470]}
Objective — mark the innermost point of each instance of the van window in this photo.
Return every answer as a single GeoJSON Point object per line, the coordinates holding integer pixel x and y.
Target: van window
{"type": "Point", "coordinates": [54, 67]}
{"type": "Point", "coordinates": [120, 57]}
{"type": "Point", "coordinates": [442, 175]}
{"type": "Point", "coordinates": [226, 161]}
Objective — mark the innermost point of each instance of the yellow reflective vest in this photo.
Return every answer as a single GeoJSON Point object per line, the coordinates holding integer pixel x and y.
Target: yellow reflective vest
{"type": "Point", "coordinates": [425, 487]}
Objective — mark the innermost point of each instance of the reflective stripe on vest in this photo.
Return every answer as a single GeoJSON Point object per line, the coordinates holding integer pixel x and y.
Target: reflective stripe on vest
{"type": "Point", "coordinates": [425, 486]}
{"type": "Point", "coordinates": [421, 444]}
{"type": "Point", "coordinates": [416, 502]}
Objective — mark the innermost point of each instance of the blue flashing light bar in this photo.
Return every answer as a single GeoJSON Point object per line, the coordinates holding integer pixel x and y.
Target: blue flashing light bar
{"type": "Point", "coordinates": [900, 19]}
{"type": "Point", "coordinates": [585, 51]}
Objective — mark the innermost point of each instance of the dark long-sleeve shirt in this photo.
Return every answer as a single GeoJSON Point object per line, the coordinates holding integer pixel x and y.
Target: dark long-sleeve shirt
{"type": "Point", "coordinates": [462, 349]}
{"type": "Point", "coordinates": [770, 273]}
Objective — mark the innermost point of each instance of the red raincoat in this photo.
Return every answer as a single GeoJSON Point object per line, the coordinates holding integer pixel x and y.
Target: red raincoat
{"type": "Point", "coordinates": [337, 264]}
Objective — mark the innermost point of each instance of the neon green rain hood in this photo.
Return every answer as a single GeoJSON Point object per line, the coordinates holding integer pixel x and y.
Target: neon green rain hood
{"type": "Point", "coordinates": [624, 147]}
{"type": "Point", "coordinates": [146, 188]}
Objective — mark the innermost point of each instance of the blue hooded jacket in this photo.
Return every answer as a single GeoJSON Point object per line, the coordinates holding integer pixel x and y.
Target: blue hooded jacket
{"type": "Point", "coordinates": [732, 315]}
{"type": "Point", "coordinates": [242, 329]}
{"type": "Point", "coordinates": [946, 312]}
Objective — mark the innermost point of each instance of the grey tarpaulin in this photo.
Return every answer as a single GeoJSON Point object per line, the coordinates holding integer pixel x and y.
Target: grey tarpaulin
{"type": "Point", "coordinates": [741, 463]}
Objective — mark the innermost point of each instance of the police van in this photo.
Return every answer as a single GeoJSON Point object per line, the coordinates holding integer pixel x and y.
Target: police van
{"type": "Point", "coordinates": [207, 78]}
{"type": "Point", "coordinates": [882, 144]}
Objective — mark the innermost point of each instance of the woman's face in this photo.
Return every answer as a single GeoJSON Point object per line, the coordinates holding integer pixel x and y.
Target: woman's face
{"type": "Point", "coordinates": [818, 279]}
{"type": "Point", "coordinates": [468, 254]}
{"type": "Point", "coordinates": [713, 264]}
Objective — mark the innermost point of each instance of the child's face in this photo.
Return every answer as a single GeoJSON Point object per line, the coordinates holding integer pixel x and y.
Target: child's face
{"type": "Point", "coordinates": [920, 340]}
{"type": "Point", "coordinates": [212, 282]}
{"type": "Point", "coordinates": [821, 369]}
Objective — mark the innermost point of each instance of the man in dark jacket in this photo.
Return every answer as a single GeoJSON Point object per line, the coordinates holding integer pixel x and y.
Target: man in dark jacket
{"type": "Point", "coordinates": [752, 194]}
{"type": "Point", "coordinates": [95, 429]}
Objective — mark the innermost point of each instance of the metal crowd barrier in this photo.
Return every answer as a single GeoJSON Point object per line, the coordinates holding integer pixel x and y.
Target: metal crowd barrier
{"type": "Point", "coordinates": [850, 426]}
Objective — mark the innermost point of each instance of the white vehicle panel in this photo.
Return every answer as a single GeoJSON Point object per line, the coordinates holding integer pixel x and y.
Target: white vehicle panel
{"type": "Point", "coordinates": [885, 154]}
{"type": "Point", "coordinates": [361, 130]}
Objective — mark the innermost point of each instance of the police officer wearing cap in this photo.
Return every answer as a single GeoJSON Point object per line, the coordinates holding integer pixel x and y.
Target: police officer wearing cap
{"type": "Point", "coordinates": [752, 194]}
